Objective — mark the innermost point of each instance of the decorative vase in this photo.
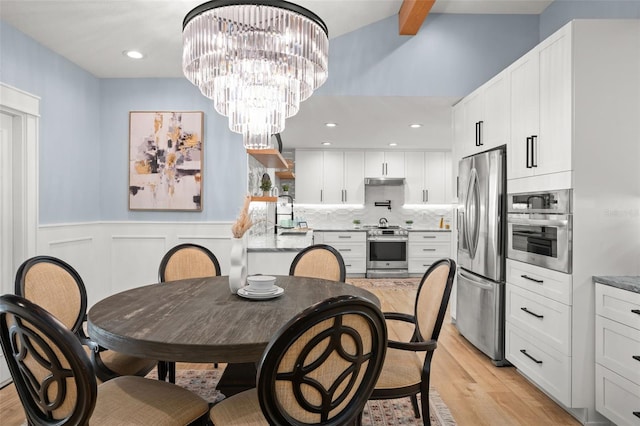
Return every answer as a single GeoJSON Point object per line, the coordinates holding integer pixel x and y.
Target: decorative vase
{"type": "Point", "coordinates": [238, 270]}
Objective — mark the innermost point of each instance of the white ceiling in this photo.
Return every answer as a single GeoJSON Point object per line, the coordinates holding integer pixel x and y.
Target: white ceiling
{"type": "Point", "coordinates": [94, 33]}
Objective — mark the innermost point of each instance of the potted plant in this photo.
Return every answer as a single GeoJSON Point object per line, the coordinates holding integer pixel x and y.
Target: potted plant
{"type": "Point", "coordinates": [356, 223]}
{"type": "Point", "coordinates": [266, 187]}
{"type": "Point", "coordinates": [409, 223]}
{"type": "Point", "coordinates": [285, 189]}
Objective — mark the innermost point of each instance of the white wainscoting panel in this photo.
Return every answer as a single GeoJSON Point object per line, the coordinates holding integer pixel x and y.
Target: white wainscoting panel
{"type": "Point", "coordinates": [115, 256]}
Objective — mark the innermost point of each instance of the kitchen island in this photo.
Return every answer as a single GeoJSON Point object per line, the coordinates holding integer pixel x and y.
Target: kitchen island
{"type": "Point", "coordinates": [272, 254]}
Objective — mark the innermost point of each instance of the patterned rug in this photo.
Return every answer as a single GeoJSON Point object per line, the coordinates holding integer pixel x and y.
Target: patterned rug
{"type": "Point", "coordinates": [376, 413]}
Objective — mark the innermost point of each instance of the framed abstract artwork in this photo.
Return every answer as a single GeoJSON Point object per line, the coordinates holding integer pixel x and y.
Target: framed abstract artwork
{"type": "Point", "coordinates": [165, 160]}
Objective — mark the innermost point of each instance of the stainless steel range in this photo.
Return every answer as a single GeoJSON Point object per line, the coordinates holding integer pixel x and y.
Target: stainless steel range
{"type": "Point", "coordinates": [387, 251]}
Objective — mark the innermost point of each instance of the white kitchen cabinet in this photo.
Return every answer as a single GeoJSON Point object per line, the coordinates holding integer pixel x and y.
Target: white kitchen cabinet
{"type": "Point", "coordinates": [484, 117]}
{"type": "Point", "coordinates": [5, 376]}
{"type": "Point", "coordinates": [309, 171]}
{"type": "Point", "coordinates": [541, 93]}
{"type": "Point", "coordinates": [352, 246]}
{"type": "Point", "coordinates": [270, 263]}
{"type": "Point", "coordinates": [617, 366]}
{"type": "Point", "coordinates": [426, 174]}
{"type": "Point", "coordinates": [384, 164]}
{"type": "Point", "coordinates": [329, 177]}
{"type": "Point", "coordinates": [426, 247]}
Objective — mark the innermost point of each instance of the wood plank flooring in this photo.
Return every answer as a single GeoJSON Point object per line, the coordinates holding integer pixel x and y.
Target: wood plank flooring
{"type": "Point", "coordinates": [476, 392]}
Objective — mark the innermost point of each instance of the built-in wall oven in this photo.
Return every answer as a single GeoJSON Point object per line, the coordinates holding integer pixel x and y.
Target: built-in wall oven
{"type": "Point", "coordinates": [387, 252]}
{"type": "Point", "coordinates": [540, 229]}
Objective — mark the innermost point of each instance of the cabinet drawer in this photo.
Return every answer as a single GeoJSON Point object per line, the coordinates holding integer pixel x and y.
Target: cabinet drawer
{"type": "Point", "coordinates": [619, 305]}
{"type": "Point", "coordinates": [547, 368]}
{"type": "Point", "coordinates": [355, 266]}
{"type": "Point", "coordinates": [337, 237]}
{"type": "Point", "coordinates": [541, 318]}
{"type": "Point", "coordinates": [429, 237]}
{"type": "Point", "coordinates": [552, 284]}
{"type": "Point", "coordinates": [419, 251]}
{"type": "Point", "coordinates": [420, 266]}
{"type": "Point", "coordinates": [617, 398]}
{"type": "Point", "coordinates": [351, 250]}
{"type": "Point", "coordinates": [616, 347]}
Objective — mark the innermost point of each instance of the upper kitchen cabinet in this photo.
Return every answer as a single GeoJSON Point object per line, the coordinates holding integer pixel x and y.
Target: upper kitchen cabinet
{"type": "Point", "coordinates": [541, 109]}
{"type": "Point", "coordinates": [483, 117]}
{"type": "Point", "coordinates": [428, 177]}
{"type": "Point", "coordinates": [329, 177]}
{"type": "Point", "coordinates": [384, 164]}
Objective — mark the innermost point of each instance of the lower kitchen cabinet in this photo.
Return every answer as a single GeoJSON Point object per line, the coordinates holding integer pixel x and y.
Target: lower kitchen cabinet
{"type": "Point", "coordinates": [270, 262]}
{"type": "Point", "coordinates": [352, 245]}
{"type": "Point", "coordinates": [426, 247]}
{"type": "Point", "coordinates": [618, 354]}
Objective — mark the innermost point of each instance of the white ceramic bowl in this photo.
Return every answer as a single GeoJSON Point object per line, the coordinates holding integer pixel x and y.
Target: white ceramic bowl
{"type": "Point", "coordinates": [261, 283]}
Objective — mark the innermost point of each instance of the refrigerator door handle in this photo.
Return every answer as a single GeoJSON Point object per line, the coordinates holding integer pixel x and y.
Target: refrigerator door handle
{"type": "Point", "coordinates": [477, 281]}
{"type": "Point", "coordinates": [472, 215]}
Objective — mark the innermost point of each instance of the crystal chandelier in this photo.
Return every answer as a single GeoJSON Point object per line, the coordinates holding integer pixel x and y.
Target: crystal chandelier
{"type": "Point", "coordinates": [257, 60]}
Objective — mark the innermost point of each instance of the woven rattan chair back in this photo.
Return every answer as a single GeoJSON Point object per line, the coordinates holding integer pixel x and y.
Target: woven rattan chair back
{"type": "Point", "coordinates": [321, 367]}
{"type": "Point", "coordinates": [53, 377]}
{"type": "Point", "coordinates": [56, 286]}
{"type": "Point", "coordinates": [319, 261]}
{"type": "Point", "coordinates": [188, 261]}
{"type": "Point", "coordinates": [433, 297]}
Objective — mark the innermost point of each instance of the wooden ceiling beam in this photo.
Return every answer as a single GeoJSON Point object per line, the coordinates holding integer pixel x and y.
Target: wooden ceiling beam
{"type": "Point", "coordinates": [412, 14]}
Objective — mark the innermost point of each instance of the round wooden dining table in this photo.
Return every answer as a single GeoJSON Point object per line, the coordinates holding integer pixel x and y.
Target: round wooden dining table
{"type": "Point", "coordinates": [200, 320]}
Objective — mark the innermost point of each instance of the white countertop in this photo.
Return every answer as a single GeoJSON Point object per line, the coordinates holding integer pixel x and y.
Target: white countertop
{"type": "Point", "coordinates": [272, 242]}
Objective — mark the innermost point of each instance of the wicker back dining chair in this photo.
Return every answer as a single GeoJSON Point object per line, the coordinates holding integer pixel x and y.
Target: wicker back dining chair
{"type": "Point", "coordinates": [319, 261]}
{"type": "Point", "coordinates": [404, 373]}
{"type": "Point", "coordinates": [57, 287]}
{"type": "Point", "coordinates": [56, 383]}
{"type": "Point", "coordinates": [185, 261]}
{"type": "Point", "coordinates": [188, 261]}
{"type": "Point", "coordinates": [318, 369]}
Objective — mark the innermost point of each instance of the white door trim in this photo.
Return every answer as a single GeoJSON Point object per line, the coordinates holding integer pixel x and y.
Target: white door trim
{"type": "Point", "coordinates": [25, 111]}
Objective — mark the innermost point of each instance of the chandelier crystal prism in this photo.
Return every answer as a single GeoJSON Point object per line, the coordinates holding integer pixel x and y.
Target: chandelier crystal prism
{"type": "Point", "coordinates": [257, 60]}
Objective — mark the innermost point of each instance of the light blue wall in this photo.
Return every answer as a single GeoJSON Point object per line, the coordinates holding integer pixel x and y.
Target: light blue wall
{"type": "Point", "coordinates": [225, 163]}
{"type": "Point", "coordinates": [450, 56]}
{"type": "Point", "coordinates": [69, 140]}
{"type": "Point", "coordinates": [562, 11]}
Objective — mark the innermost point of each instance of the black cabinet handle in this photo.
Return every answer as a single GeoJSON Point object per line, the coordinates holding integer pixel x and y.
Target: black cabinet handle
{"type": "Point", "coordinates": [530, 357]}
{"type": "Point", "coordinates": [528, 150]}
{"type": "Point", "coordinates": [637, 414]}
{"type": "Point", "coordinates": [344, 249]}
{"type": "Point", "coordinates": [636, 357]}
{"type": "Point", "coordinates": [532, 279]}
{"type": "Point", "coordinates": [636, 311]}
{"type": "Point", "coordinates": [480, 126]}
{"type": "Point", "coordinates": [428, 249]}
{"type": "Point", "coordinates": [344, 236]}
{"type": "Point", "coordinates": [477, 133]}
{"type": "Point", "coordinates": [532, 313]}
{"type": "Point", "coordinates": [534, 161]}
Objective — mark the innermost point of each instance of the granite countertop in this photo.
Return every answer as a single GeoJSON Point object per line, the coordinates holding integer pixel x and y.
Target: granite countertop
{"type": "Point", "coordinates": [338, 229]}
{"type": "Point", "coordinates": [275, 243]}
{"type": "Point", "coordinates": [629, 283]}
{"type": "Point", "coordinates": [418, 229]}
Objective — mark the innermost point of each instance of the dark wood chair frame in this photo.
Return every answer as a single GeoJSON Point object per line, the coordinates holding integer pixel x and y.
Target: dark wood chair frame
{"type": "Point", "coordinates": [103, 372]}
{"type": "Point", "coordinates": [25, 337]}
{"type": "Point", "coordinates": [333, 308]}
{"type": "Point", "coordinates": [336, 253]}
{"type": "Point", "coordinates": [168, 368]}
{"type": "Point", "coordinates": [418, 344]}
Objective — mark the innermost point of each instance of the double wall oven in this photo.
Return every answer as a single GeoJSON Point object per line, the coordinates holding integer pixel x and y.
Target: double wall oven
{"type": "Point", "coordinates": [387, 252]}
{"type": "Point", "coordinates": [540, 229]}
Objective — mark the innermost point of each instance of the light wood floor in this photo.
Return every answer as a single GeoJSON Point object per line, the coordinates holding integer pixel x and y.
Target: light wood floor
{"type": "Point", "coordinates": [476, 392]}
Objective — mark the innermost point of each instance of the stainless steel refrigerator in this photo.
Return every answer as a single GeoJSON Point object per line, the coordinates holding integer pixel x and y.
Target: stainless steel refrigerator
{"type": "Point", "coordinates": [481, 251]}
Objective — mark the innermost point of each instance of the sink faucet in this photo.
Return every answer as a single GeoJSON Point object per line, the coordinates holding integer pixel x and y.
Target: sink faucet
{"type": "Point", "coordinates": [383, 222]}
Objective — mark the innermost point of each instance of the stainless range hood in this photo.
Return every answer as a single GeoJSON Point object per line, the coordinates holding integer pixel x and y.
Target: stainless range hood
{"type": "Point", "coordinates": [379, 181]}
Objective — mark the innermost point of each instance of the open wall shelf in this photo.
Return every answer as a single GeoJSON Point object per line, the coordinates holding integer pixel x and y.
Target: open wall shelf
{"type": "Point", "coordinates": [270, 158]}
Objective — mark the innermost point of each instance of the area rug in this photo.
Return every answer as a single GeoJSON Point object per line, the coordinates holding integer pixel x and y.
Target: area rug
{"type": "Point", "coordinates": [376, 413]}
{"type": "Point", "coordinates": [386, 283]}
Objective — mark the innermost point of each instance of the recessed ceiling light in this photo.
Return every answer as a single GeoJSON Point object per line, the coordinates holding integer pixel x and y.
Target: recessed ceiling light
{"type": "Point", "coordinates": [415, 126]}
{"type": "Point", "coordinates": [326, 143]}
{"type": "Point", "coordinates": [133, 54]}
{"type": "Point", "coordinates": [393, 144]}
{"type": "Point", "coordinates": [331, 124]}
